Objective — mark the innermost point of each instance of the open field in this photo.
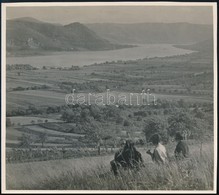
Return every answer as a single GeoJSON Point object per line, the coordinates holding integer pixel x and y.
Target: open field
{"type": "Point", "coordinates": [22, 99]}
{"type": "Point", "coordinates": [58, 138]}
{"type": "Point", "coordinates": [36, 128]}
{"type": "Point", "coordinates": [187, 77]}
{"type": "Point", "coordinates": [21, 120]}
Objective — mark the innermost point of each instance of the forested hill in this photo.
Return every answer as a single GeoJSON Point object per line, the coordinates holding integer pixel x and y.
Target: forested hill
{"type": "Point", "coordinates": [32, 34]}
{"type": "Point", "coordinates": [159, 33]}
{"type": "Point", "coordinates": [203, 46]}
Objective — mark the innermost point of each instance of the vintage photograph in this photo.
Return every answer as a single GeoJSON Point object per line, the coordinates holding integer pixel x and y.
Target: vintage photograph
{"type": "Point", "coordinates": [109, 97]}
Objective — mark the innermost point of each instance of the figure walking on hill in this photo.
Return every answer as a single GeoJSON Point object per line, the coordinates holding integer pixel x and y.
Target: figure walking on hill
{"type": "Point", "coordinates": [127, 157]}
{"type": "Point", "coordinates": [182, 149]}
{"type": "Point", "coordinates": [159, 155]}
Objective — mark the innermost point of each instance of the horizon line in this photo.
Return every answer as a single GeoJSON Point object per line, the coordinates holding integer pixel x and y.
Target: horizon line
{"type": "Point", "coordinates": [180, 22]}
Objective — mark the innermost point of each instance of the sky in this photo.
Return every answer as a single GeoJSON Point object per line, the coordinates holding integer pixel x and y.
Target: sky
{"type": "Point", "coordinates": [115, 14]}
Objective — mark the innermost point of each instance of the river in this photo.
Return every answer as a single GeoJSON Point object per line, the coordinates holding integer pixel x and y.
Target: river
{"type": "Point", "coordinates": [81, 58]}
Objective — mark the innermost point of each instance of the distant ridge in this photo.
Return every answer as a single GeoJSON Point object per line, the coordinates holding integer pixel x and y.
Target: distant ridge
{"type": "Point", "coordinates": [203, 46]}
{"type": "Point", "coordinates": [26, 19]}
{"type": "Point", "coordinates": [30, 19]}
{"type": "Point", "coordinates": [29, 34]}
{"type": "Point", "coordinates": [153, 33]}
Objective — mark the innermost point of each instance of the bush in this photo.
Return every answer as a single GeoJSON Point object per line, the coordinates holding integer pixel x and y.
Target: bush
{"type": "Point", "coordinates": [181, 122]}
{"type": "Point", "coordinates": [119, 120]}
{"type": "Point", "coordinates": [155, 125]}
{"type": "Point", "coordinates": [139, 118]}
{"type": "Point", "coordinates": [126, 123]}
{"type": "Point", "coordinates": [140, 113]}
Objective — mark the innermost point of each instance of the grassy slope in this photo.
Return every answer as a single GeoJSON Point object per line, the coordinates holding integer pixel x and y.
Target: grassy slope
{"type": "Point", "coordinates": [93, 174]}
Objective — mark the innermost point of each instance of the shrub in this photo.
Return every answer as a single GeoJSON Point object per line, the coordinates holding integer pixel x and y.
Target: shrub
{"type": "Point", "coordinates": [155, 125]}
{"type": "Point", "coordinates": [126, 123]}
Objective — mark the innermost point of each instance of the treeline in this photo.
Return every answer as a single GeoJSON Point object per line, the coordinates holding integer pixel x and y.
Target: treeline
{"type": "Point", "coordinates": [165, 105]}
{"type": "Point", "coordinates": [30, 88]}
{"type": "Point", "coordinates": [62, 68]}
{"type": "Point", "coordinates": [195, 123]}
{"type": "Point", "coordinates": [166, 117]}
{"type": "Point", "coordinates": [31, 155]}
{"type": "Point", "coordinates": [192, 118]}
{"type": "Point", "coordinates": [92, 86]}
{"type": "Point", "coordinates": [29, 67]}
{"type": "Point", "coordinates": [20, 67]}
{"type": "Point", "coordinates": [102, 126]}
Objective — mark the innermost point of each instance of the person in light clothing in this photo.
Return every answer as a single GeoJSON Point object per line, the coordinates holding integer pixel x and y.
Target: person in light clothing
{"type": "Point", "coordinates": [159, 154]}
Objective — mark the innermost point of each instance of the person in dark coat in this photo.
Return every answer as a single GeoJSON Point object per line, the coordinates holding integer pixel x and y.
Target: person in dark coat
{"type": "Point", "coordinates": [127, 157]}
{"type": "Point", "coordinates": [182, 149]}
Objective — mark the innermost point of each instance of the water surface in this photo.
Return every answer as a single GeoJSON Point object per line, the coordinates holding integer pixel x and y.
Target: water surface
{"type": "Point", "coordinates": [81, 58]}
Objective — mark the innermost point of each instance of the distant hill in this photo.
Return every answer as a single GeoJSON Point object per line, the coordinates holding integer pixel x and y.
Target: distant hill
{"type": "Point", "coordinates": [159, 33]}
{"type": "Point", "coordinates": [203, 46]}
{"type": "Point", "coordinates": [28, 19]}
{"type": "Point", "coordinates": [29, 34]}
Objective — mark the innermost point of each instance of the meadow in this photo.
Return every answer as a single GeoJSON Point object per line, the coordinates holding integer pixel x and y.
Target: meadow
{"type": "Point", "coordinates": [93, 173]}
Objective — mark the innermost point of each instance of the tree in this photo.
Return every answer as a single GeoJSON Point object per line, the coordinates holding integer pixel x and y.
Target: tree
{"type": "Point", "coordinates": [165, 112]}
{"type": "Point", "coordinates": [182, 103]}
{"type": "Point", "coordinates": [42, 138]}
{"type": "Point", "coordinates": [85, 114]}
{"type": "Point", "coordinates": [111, 111]}
{"type": "Point", "coordinates": [71, 115]}
{"type": "Point", "coordinates": [51, 110]}
{"type": "Point", "coordinates": [120, 120]}
{"type": "Point", "coordinates": [95, 112]}
{"type": "Point", "coordinates": [155, 125]}
{"type": "Point", "coordinates": [199, 113]}
{"type": "Point", "coordinates": [94, 133]}
{"type": "Point", "coordinates": [181, 122]}
{"type": "Point", "coordinates": [126, 123]}
{"type": "Point", "coordinates": [139, 118]}
{"type": "Point", "coordinates": [26, 140]}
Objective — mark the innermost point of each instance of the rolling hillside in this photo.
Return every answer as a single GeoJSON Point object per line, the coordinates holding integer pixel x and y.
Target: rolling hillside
{"type": "Point", "coordinates": [154, 33]}
{"type": "Point", "coordinates": [203, 46]}
{"type": "Point", "coordinates": [31, 34]}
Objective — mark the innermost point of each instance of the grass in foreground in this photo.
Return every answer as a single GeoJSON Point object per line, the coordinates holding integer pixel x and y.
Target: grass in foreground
{"type": "Point", "coordinates": [195, 173]}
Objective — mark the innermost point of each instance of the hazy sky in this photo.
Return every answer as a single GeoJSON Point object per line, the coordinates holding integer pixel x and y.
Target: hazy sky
{"type": "Point", "coordinates": [115, 14]}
